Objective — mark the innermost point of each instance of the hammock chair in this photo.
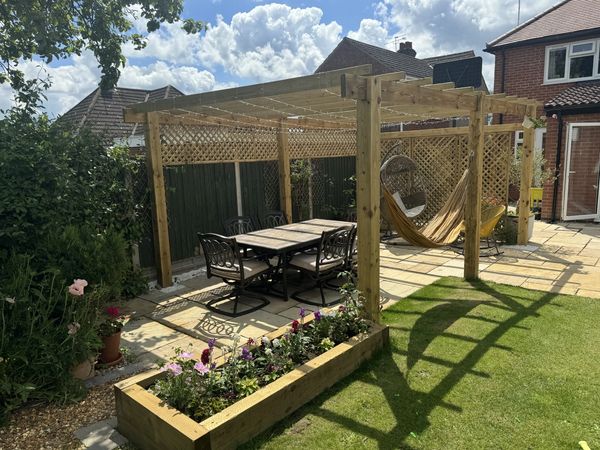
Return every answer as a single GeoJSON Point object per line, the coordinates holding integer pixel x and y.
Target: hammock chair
{"type": "Point", "coordinates": [400, 176]}
{"type": "Point", "coordinates": [443, 228]}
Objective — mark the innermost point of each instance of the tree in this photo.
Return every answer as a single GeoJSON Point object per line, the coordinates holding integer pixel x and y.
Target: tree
{"type": "Point", "coordinates": [57, 29]}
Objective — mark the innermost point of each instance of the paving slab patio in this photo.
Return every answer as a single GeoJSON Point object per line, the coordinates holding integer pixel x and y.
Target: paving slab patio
{"type": "Point", "coordinates": [561, 258]}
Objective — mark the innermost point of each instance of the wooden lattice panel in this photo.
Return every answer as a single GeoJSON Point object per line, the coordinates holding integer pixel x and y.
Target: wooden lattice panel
{"type": "Point", "coordinates": [441, 159]}
{"type": "Point", "coordinates": [202, 144]}
{"type": "Point", "coordinates": [496, 161]}
{"type": "Point", "coordinates": [436, 158]}
{"type": "Point", "coordinates": [322, 143]}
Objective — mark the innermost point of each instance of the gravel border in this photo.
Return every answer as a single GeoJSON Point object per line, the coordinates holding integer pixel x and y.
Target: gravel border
{"type": "Point", "coordinates": [51, 426]}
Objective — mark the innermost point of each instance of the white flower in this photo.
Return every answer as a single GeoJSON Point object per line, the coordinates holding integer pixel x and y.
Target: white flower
{"type": "Point", "coordinates": [265, 340]}
{"type": "Point", "coordinates": [73, 328]}
{"type": "Point", "coordinates": [1, 359]}
{"type": "Point", "coordinates": [276, 343]}
{"type": "Point", "coordinates": [10, 300]}
{"type": "Point", "coordinates": [268, 351]}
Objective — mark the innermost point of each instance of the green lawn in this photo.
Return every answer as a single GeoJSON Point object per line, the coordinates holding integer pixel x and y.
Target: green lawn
{"type": "Point", "coordinates": [471, 366]}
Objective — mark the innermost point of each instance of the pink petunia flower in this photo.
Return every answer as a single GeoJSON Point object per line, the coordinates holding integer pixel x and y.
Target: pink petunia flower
{"type": "Point", "coordinates": [201, 368]}
{"type": "Point", "coordinates": [186, 355]}
{"type": "Point", "coordinates": [174, 368]}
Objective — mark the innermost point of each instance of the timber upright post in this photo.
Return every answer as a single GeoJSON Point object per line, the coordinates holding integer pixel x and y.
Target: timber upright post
{"type": "Point", "coordinates": [474, 189]}
{"type": "Point", "coordinates": [368, 160]}
{"type": "Point", "coordinates": [285, 181]}
{"type": "Point", "coordinates": [160, 224]}
{"type": "Point", "coordinates": [526, 179]}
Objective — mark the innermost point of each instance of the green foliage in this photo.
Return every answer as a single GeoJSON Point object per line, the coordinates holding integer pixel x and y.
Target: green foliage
{"type": "Point", "coordinates": [66, 213]}
{"type": "Point", "coordinates": [541, 173]}
{"type": "Point", "coordinates": [200, 390]}
{"type": "Point", "coordinates": [44, 332]}
{"type": "Point", "coordinates": [65, 201]}
{"type": "Point", "coordinates": [301, 172]}
{"type": "Point", "coordinates": [61, 28]}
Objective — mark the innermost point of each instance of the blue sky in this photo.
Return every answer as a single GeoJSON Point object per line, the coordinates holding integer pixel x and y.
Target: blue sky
{"type": "Point", "coordinates": [252, 41]}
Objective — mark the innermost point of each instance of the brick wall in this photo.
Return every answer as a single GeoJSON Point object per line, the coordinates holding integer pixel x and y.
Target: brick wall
{"type": "Point", "coordinates": [523, 69]}
{"type": "Point", "coordinates": [587, 151]}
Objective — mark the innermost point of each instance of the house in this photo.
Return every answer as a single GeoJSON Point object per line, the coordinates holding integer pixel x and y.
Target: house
{"type": "Point", "coordinates": [350, 52]}
{"type": "Point", "coordinates": [554, 57]}
{"type": "Point", "coordinates": [102, 112]}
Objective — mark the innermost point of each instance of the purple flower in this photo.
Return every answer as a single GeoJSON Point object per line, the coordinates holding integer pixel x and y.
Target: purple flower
{"type": "Point", "coordinates": [302, 312]}
{"type": "Point", "coordinates": [246, 354]}
{"type": "Point", "coordinates": [186, 355]}
{"type": "Point", "coordinates": [174, 368]}
{"type": "Point", "coordinates": [211, 343]}
{"type": "Point", "coordinates": [201, 368]}
{"type": "Point", "coordinates": [317, 315]}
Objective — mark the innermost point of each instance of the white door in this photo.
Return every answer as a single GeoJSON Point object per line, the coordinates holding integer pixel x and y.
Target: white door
{"type": "Point", "coordinates": [582, 164]}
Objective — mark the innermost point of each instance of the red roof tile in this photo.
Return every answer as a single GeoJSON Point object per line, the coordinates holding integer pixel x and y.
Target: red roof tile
{"type": "Point", "coordinates": [583, 94]}
{"type": "Point", "coordinates": [569, 16]}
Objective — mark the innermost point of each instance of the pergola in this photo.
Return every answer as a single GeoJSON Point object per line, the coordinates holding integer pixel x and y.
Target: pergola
{"type": "Point", "coordinates": [345, 99]}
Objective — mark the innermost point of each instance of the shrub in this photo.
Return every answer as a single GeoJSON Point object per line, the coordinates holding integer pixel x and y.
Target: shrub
{"type": "Point", "coordinates": [44, 332]}
{"type": "Point", "coordinates": [65, 201]}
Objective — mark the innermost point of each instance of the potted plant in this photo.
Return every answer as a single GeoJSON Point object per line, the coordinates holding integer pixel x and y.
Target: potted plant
{"type": "Point", "coordinates": [81, 332]}
{"type": "Point", "coordinates": [110, 333]}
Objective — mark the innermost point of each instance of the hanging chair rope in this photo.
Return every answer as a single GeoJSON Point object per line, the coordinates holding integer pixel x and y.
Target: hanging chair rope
{"type": "Point", "coordinates": [443, 229]}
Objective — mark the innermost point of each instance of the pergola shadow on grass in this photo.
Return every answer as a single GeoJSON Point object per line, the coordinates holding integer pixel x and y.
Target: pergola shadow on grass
{"type": "Point", "coordinates": [502, 311]}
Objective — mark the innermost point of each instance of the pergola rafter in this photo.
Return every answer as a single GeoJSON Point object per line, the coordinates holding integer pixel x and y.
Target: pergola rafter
{"type": "Point", "coordinates": [345, 99]}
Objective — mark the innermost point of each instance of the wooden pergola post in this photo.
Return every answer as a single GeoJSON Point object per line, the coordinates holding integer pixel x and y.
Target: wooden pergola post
{"type": "Point", "coordinates": [160, 225]}
{"type": "Point", "coordinates": [474, 189]}
{"type": "Point", "coordinates": [368, 160]}
{"type": "Point", "coordinates": [285, 181]}
{"type": "Point", "coordinates": [526, 180]}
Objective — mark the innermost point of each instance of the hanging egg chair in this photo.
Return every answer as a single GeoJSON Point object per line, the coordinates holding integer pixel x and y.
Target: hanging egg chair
{"type": "Point", "coordinates": [399, 174]}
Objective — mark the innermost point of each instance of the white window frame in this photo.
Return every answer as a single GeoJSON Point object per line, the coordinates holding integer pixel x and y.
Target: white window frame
{"type": "Point", "coordinates": [567, 173]}
{"type": "Point", "coordinates": [570, 54]}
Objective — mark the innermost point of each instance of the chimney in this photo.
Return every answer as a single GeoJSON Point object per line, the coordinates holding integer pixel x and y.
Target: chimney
{"type": "Point", "coordinates": [406, 49]}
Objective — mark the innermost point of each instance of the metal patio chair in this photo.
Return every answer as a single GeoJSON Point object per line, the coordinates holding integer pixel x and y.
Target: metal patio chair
{"type": "Point", "coordinates": [238, 225]}
{"type": "Point", "coordinates": [330, 259]}
{"type": "Point", "coordinates": [272, 219]}
{"type": "Point", "coordinates": [224, 260]}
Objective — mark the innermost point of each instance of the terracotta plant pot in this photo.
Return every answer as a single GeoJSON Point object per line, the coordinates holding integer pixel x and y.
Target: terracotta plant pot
{"type": "Point", "coordinates": [110, 350]}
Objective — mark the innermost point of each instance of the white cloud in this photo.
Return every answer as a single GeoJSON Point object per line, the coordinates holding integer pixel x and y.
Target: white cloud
{"type": "Point", "coordinates": [186, 78]}
{"type": "Point", "coordinates": [373, 32]}
{"type": "Point", "coordinates": [170, 43]}
{"type": "Point", "coordinates": [440, 26]}
{"type": "Point", "coordinates": [270, 42]}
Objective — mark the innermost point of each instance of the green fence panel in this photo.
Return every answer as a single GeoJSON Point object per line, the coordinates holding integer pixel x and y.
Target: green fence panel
{"type": "Point", "coordinates": [199, 198]}
{"type": "Point", "coordinates": [333, 188]}
{"type": "Point", "coordinates": [260, 188]}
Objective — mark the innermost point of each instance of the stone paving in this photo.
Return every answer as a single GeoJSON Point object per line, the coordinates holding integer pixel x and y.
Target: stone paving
{"type": "Point", "coordinates": [562, 258]}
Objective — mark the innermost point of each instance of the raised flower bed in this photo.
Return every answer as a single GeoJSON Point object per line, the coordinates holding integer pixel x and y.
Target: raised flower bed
{"type": "Point", "coordinates": [150, 423]}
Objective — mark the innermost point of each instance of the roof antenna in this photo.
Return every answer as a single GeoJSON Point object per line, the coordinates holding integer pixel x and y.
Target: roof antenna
{"type": "Point", "coordinates": [519, 13]}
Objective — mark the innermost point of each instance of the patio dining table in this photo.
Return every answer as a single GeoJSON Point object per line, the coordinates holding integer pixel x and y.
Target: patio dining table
{"type": "Point", "coordinates": [283, 241]}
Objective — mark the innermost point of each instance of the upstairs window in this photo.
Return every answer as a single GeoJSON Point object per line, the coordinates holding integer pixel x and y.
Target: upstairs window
{"type": "Point", "coordinates": [572, 62]}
